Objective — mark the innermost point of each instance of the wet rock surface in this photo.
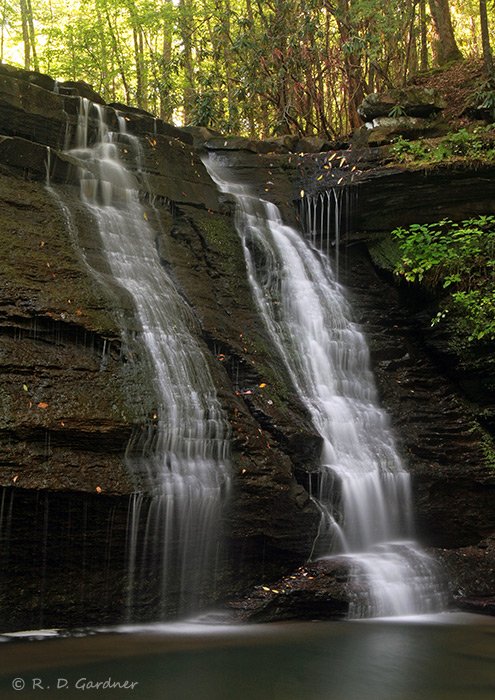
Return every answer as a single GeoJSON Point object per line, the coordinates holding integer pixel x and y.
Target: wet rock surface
{"type": "Point", "coordinates": [319, 590]}
{"type": "Point", "coordinates": [471, 575]}
{"type": "Point", "coordinates": [440, 403]}
{"type": "Point", "coordinates": [73, 392]}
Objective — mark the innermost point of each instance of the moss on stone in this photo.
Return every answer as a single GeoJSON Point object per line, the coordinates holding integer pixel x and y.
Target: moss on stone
{"type": "Point", "coordinates": [42, 273]}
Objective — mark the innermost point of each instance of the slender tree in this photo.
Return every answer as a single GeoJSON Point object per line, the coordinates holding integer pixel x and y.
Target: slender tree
{"type": "Point", "coordinates": [186, 28]}
{"type": "Point", "coordinates": [485, 41]}
{"type": "Point", "coordinates": [423, 34]}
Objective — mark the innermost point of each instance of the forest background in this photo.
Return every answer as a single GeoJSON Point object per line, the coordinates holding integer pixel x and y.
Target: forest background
{"type": "Point", "coordinates": [250, 67]}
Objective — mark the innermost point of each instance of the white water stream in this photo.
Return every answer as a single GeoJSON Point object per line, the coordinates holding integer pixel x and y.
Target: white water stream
{"type": "Point", "coordinates": [364, 491]}
{"type": "Point", "coordinates": [181, 460]}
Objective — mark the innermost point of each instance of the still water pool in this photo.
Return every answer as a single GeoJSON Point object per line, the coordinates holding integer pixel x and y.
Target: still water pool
{"type": "Point", "coordinates": [443, 657]}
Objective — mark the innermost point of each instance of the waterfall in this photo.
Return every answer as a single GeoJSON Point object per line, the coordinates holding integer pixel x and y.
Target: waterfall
{"type": "Point", "coordinates": [363, 491]}
{"type": "Point", "coordinates": [321, 218]}
{"type": "Point", "coordinates": [181, 459]}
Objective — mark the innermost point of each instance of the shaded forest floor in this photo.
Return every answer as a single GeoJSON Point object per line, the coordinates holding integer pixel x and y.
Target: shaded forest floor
{"type": "Point", "coordinates": [460, 85]}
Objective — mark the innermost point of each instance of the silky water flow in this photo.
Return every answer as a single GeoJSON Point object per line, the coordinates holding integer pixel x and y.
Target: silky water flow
{"type": "Point", "coordinates": [363, 492]}
{"type": "Point", "coordinates": [181, 458]}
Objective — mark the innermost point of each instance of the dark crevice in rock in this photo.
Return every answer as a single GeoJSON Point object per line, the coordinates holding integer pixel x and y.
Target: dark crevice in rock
{"type": "Point", "coordinates": [54, 332]}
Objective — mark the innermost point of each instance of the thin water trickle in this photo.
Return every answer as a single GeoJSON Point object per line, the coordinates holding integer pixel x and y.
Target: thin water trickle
{"type": "Point", "coordinates": [181, 459]}
{"type": "Point", "coordinates": [322, 220]}
{"type": "Point", "coordinates": [364, 490]}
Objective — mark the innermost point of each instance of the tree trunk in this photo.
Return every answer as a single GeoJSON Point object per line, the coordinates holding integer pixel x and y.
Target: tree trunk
{"type": "Point", "coordinates": [141, 78]}
{"type": "Point", "coordinates": [25, 35]}
{"type": "Point", "coordinates": [32, 37]}
{"type": "Point", "coordinates": [423, 51]}
{"type": "Point", "coordinates": [485, 41]}
{"type": "Point", "coordinates": [185, 26]}
{"type": "Point", "coordinates": [117, 54]}
{"type": "Point", "coordinates": [166, 110]}
{"type": "Point", "coordinates": [352, 65]}
{"type": "Point", "coordinates": [409, 65]}
{"type": "Point", "coordinates": [4, 23]}
{"type": "Point", "coordinates": [445, 46]}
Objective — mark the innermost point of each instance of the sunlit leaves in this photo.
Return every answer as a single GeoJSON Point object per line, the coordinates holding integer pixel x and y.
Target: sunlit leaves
{"type": "Point", "coordinates": [236, 65]}
{"type": "Point", "coordinates": [458, 259]}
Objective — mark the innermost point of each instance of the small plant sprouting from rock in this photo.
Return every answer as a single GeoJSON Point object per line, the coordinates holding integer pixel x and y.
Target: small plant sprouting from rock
{"type": "Point", "coordinates": [406, 151]}
{"type": "Point", "coordinates": [457, 261]}
{"type": "Point", "coordinates": [397, 111]}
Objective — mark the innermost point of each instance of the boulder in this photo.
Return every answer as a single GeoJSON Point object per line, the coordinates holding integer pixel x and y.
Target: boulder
{"type": "Point", "coordinates": [311, 144]}
{"type": "Point", "coordinates": [319, 590]}
{"type": "Point", "coordinates": [280, 144]}
{"type": "Point", "coordinates": [40, 79]}
{"type": "Point", "coordinates": [412, 102]}
{"type": "Point", "coordinates": [200, 134]}
{"type": "Point", "coordinates": [470, 572]}
{"type": "Point", "coordinates": [383, 130]}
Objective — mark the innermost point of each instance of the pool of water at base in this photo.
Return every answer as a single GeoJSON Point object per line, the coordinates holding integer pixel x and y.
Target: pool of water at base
{"type": "Point", "coordinates": [438, 657]}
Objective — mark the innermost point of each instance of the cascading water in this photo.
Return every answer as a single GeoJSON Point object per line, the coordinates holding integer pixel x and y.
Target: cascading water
{"type": "Point", "coordinates": [363, 492]}
{"type": "Point", "coordinates": [182, 459]}
{"type": "Point", "coordinates": [322, 219]}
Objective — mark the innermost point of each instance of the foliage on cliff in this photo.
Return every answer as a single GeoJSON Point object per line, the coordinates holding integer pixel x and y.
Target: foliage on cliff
{"type": "Point", "coordinates": [477, 144]}
{"type": "Point", "coordinates": [460, 259]}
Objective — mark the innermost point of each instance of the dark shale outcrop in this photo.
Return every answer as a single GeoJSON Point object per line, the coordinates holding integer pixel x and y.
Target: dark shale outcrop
{"type": "Point", "coordinates": [74, 390]}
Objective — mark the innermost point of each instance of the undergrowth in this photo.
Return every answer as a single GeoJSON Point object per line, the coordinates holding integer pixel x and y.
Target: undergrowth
{"type": "Point", "coordinates": [456, 260]}
{"type": "Point", "coordinates": [476, 144]}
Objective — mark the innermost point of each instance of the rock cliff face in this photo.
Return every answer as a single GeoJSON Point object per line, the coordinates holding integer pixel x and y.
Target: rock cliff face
{"type": "Point", "coordinates": [441, 403]}
{"type": "Point", "coordinates": [74, 392]}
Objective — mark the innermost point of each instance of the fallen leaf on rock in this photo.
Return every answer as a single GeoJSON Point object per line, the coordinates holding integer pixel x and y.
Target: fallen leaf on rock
{"type": "Point", "coordinates": [42, 404]}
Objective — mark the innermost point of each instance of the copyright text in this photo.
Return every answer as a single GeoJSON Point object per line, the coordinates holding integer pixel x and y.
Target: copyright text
{"type": "Point", "coordinates": [78, 684]}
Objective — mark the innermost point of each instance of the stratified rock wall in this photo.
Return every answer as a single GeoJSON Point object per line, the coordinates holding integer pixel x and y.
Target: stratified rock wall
{"type": "Point", "coordinates": [74, 388]}
{"type": "Point", "coordinates": [441, 400]}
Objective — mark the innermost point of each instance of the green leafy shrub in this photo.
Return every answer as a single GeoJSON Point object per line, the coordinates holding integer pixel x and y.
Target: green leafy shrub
{"type": "Point", "coordinates": [483, 97]}
{"type": "Point", "coordinates": [405, 151]}
{"type": "Point", "coordinates": [457, 258]}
